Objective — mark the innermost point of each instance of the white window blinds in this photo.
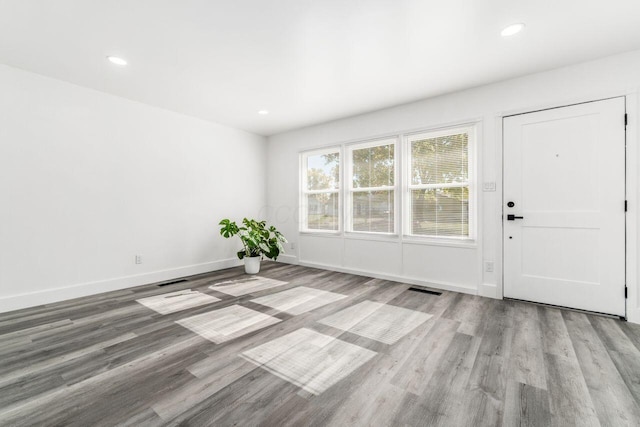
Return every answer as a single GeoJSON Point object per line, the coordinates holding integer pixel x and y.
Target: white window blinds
{"type": "Point", "coordinates": [439, 184]}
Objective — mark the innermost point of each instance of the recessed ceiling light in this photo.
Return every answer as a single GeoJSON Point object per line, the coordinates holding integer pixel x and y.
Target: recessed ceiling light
{"type": "Point", "coordinates": [512, 29]}
{"type": "Point", "coordinates": [263, 112]}
{"type": "Point", "coordinates": [116, 60]}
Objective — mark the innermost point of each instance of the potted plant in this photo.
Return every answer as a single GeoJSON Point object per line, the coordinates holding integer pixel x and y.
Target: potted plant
{"type": "Point", "coordinates": [257, 239]}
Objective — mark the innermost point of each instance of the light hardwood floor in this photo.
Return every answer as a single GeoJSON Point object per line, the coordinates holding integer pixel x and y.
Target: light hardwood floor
{"type": "Point", "coordinates": [300, 346]}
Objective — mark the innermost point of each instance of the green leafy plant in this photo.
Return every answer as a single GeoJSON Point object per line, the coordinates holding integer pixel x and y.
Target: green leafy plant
{"type": "Point", "coordinates": [257, 239]}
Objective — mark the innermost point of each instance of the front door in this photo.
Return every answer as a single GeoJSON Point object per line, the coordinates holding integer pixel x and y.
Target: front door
{"type": "Point", "coordinates": [564, 206]}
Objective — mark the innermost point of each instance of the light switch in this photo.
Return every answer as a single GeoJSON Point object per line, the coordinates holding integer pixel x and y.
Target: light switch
{"type": "Point", "coordinates": [489, 186]}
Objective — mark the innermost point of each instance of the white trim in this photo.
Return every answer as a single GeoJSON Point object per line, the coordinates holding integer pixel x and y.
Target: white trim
{"type": "Point", "coordinates": [633, 199]}
{"type": "Point", "coordinates": [475, 206]}
{"type": "Point", "coordinates": [440, 241]}
{"type": "Point", "coordinates": [48, 296]}
{"type": "Point", "coordinates": [499, 237]}
{"type": "Point", "coordinates": [329, 149]}
{"type": "Point", "coordinates": [438, 186]}
{"type": "Point", "coordinates": [350, 190]}
{"type": "Point", "coordinates": [403, 132]}
{"type": "Point", "coordinates": [568, 102]}
{"type": "Point", "coordinates": [396, 238]}
{"type": "Point", "coordinates": [400, 139]}
{"type": "Point", "coordinates": [407, 280]}
{"type": "Point", "coordinates": [371, 235]}
{"type": "Point", "coordinates": [632, 104]}
{"type": "Point", "coordinates": [320, 233]}
{"type": "Point", "coordinates": [489, 290]}
{"type": "Point", "coordinates": [473, 130]}
{"type": "Point", "coordinates": [441, 131]}
{"type": "Point", "coordinates": [321, 191]}
{"type": "Point", "coordinates": [303, 191]}
{"type": "Point", "coordinates": [370, 142]}
{"type": "Point", "coordinates": [288, 259]}
{"type": "Point", "coordinates": [367, 189]}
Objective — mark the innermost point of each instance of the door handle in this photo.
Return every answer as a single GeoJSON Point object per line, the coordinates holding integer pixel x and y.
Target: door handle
{"type": "Point", "coordinates": [511, 217]}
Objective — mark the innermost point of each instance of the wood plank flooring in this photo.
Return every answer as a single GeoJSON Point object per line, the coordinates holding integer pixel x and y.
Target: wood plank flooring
{"type": "Point", "coordinates": [305, 347]}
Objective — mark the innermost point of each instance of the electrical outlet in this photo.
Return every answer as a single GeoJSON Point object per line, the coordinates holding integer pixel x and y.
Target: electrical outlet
{"type": "Point", "coordinates": [138, 259]}
{"type": "Point", "coordinates": [292, 246]}
{"type": "Point", "coordinates": [488, 266]}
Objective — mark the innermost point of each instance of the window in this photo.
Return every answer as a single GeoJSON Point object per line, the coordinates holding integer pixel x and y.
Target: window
{"type": "Point", "coordinates": [372, 187]}
{"type": "Point", "coordinates": [438, 183]}
{"type": "Point", "coordinates": [321, 190]}
{"type": "Point", "coordinates": [423, 189]}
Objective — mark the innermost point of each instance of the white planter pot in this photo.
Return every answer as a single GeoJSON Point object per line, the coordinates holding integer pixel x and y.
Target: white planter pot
{"type": "Point", "coordinates": [252, 264]}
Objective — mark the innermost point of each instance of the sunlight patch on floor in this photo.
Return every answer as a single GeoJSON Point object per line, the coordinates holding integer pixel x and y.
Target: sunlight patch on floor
{"type": "Point", "coordinates": [246, 285]}
{"type": "Point", "coordinates": [381, 322]}
{"type": "Point", "coordinates": [298, 300]}
{"type": "Point", "coordinates": [177, 301]}
{"type": "Point", "coordinates": [227, 323]}
{"type": "Point", "coordinates": [309, 359]}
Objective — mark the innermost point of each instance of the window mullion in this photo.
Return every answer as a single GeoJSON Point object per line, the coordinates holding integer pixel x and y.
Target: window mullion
{"type": "Point", "coordinates": [332, 191]}
{"type": "Point", "coordinates": [366, 189]}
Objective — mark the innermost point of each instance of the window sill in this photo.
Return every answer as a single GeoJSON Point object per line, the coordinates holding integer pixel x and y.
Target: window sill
{"type": "Point", "coordinates": [379, 237]}
{"type": "Point", "coordinates": [395, 238]}
{"type": "Point", "coordinates": [320, 233]}
{"type": "Point", "coordinates": [449, 242]}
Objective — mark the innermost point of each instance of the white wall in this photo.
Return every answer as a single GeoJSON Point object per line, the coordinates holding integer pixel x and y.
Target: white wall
{"type": "Point", "coordinates": [89, 180]}
{"type": "Point", "coordinates": [453, 267]}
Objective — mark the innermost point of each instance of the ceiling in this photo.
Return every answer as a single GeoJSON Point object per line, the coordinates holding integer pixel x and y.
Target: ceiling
{"type": "Point", "coordinates": [306, 61]}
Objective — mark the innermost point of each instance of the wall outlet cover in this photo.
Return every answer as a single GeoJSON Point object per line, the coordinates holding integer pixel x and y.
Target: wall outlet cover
{"type": "Point", "coordinates": [489, 186]}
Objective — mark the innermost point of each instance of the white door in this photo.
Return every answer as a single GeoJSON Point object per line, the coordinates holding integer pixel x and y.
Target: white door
{"type": "Point", "coordinates": [564, 175]}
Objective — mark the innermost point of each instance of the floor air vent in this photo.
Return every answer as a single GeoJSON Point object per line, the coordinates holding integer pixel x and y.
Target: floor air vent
{"type": "Point", "coordinates": [425, 291]}
{"type": "Point", "coordinates": [173, 282]}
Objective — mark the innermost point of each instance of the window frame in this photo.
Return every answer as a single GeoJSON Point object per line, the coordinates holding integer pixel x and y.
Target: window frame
{"type": "Point", "coordinates": [350, 189]}
{"type": "Point", "coordinates": [472, 130]}
{"type": "Point", "coordinates": [402, 186]}
{"type": "Point", "coordinates": [303, 218]}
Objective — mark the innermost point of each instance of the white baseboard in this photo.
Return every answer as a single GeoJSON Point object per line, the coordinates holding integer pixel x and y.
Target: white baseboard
{"type": "Point", "coordinates": [409, 280]}
{"type": "Point", "coordinates": [633, 315]}
{"type": "Point", "coordinates": [288, 259]}
{"type": "Point", "coordinates": [48, 296]}
{"type": "Point", "coordinates": [489, 290]}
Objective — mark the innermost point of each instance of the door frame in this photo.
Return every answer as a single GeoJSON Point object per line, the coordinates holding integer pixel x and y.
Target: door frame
{"type": "Point", "coordinates": [632, 175]}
